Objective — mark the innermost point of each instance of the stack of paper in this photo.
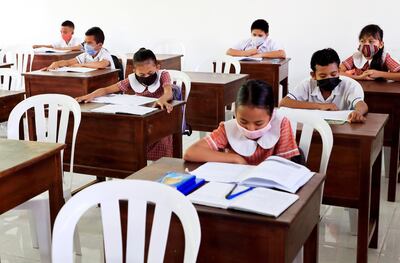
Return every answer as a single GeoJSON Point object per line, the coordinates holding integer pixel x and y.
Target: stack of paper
{"type": "Point", "coordinates": [49, 50]}
{"type": "Point", "coordinates": [124, 109]}
{"type": "Point", "coordinates": [274, 172]}
{"type": "Point", "coordinates": [123, 99]}
{"type": "Point", "coordinates": [73, 69]}
{"type": "Point", "coordinates": [259, 200]}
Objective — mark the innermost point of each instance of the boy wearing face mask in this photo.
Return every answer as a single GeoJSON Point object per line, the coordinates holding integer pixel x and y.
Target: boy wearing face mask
{"type": "Point", "coordinates": [327, 90]}
{"type": "Point", "coordinates": [371, 62]}
{"type": "Point", "coordinates": [95, 55]}
{"type": "Point", "coordinates": [67, 41]}
{"type": "Point", "coordinates": [260, 45]}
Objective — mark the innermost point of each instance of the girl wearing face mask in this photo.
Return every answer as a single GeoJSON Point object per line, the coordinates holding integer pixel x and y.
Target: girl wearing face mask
{"type": "Point", "coordinates": [259, 45]}
{"type": "Point", "coordinates": [146, 80]}
{"type": "Point", "coordinates": [256, 133]}
{"type": "Point", "coordinates": [371, 62]}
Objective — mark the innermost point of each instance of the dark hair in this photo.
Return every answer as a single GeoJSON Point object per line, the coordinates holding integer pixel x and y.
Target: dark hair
{"type": "Point", "coordinates": [260, 24]}
{"type": "Point", "coordinates": [97, 33]}
{"type": "Point", "coordinates": [144, 54]}
{"type": "Point", "coordinates": [68, 23]}
{"type": "Point", "coordinates": [324, 57]}
{"type": "Point", "coordinates": [376, 32]}
{"type": "Point", "coordinates": [256, 93]}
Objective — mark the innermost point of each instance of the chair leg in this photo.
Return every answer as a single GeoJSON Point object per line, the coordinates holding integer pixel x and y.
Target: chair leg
{"type": "Point", "coordinates": [386, 160]}
{"type": "Point", "coordinates": [41, 215]}
{"type": "Point", "coordinates": [353, 217]}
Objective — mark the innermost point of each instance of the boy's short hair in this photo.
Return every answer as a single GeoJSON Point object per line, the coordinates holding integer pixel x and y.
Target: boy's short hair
{"type": "Point", "coordinates": [68, 23]}
{"type": "Point", "coordinates": [260, 24]}
{"type": "Point", "coordinates": [97, 33]}
{"type": "Point", "coordinates": [324, 57]}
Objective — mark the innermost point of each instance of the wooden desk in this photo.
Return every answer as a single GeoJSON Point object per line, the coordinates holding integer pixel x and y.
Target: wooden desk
{"type": "Point", "coordinates": [235, 236]}
{"type": "Point", "coordinates": [209, 94]}
{"type": "Point", "coordinates": [354, 173]}
{"type": "Point", "coordinates": [42, 60]}
{"type": "Point", "coordinates": [68, 83]}
{"type": "Point", "coordinates": [273, 71]}
{"type": "Point", "coordinates": [8, 100]}
{"type": "Point", "coordinates": [167, 61]}
{"type": "Point", "coordinates": [115, 145]}
{"type": "Point", "coordinates": [28, 169]}
{"type": "Point", "coordinates": [6, 65]}
{"type": "Point", "coordinates": [384, 97]}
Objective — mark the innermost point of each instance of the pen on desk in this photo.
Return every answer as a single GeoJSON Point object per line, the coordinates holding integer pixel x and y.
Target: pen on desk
{"type": "Point", "coordinates": [230, 196]}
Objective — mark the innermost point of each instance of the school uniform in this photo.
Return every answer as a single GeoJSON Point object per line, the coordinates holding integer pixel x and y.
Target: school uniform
{"type": "Point", "coordinates": [164, 147]}
{"type": "Point", "coordinates": [267, 46]}
{"type": "Point", "coordinates": [62, 44]}
{"type": "Point", "coordinates": [103, 54]}
{"type": "Point", "coordinates": [278, 140]}
{"type": "Point", "coordinates": [345, 95]}
{"type": "Point", "coordinates": [358, 63]}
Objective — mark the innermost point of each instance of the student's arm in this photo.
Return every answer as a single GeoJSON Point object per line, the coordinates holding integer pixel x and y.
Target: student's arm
{"type": "Point", "coordinates": [360, 109]}
{"type": "Point", "coordinates": [201, 152]}
{"type": "Point", "coordinates": [345, 72]}
{"type": "Point", "coordinates": [97, 65]}
{"type": "Point", "coordinates": [291, 103]}
{"type": "Point", "coordinates": [272, 54]}
{"type": "Point", "coordinates": [163, 100]}
{"type": "Point", "coordinates": [62, 63]}
{"type": "Point", "coordinates": [241, 53]}
{"type": "Point", "coordinates": [99, 92]}
{"type": "Point", "coordinates": [372, 73]}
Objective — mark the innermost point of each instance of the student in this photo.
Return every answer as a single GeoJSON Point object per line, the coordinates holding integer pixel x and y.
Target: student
{"type": "Point", "coordinates": [326, 90]}
{"type": "Point", "coordinates": [95, 55]}
{"type": "Point", "coordinates": [257, 132]}
{"type": "Point", "coordinates": [67, 41]}
{"type": "Point", "coordinates": [371, 61]}
{"type": "Point", "coordinates": [147, 80]}
{"type": "Point", "coordinates": [260, 45]}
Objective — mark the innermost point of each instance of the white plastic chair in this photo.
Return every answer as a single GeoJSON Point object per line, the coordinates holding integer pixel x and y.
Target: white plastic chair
{"type": "Point", "coordinates": [138, 193]}
{"type": "Point", "coordinates": [181, 80]}
{"type": "Point", "coordinates": [10, 79]}
{"type": "Point", "coordinates": [22, 59]}
{"type": "Point", "coordinates": [47, 130]}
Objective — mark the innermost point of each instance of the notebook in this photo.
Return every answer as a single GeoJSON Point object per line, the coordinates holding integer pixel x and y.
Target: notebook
{"type": "Point", "coordinates": [49, 50]}
{"type": "Point", "coordinates": [124, 109]}
{"type": "Point", "coordinates": [73, 69]}
{"type": "Point", "coordinates": [124, 99]}
{"type": "Point", "coordinates": [259, 200]}
{"type": "Point", "coordinates": [274, 172]}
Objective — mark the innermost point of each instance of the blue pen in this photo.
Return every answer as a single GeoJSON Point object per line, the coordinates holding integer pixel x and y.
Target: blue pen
{"type": "Point", "coordinates": [230, 196]}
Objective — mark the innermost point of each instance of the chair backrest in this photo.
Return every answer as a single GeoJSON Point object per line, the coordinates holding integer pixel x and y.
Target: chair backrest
{"type": "Point", "coordinates": [22, 59]}
{"type": "Point", "coordinates": [183, 82]}
{"type": "Point", "coordinates": [10, 79]}
{"type": "Point", "coordinates": [118, 65]}
{"type": "Point", "coordinates": [220, 65]}
{"type": "Point", "coordinates": [50, 129]}
{"type": "Point", "coordinates": [311, 121]}
{"type": "Point", "coordinates": [138, 194]}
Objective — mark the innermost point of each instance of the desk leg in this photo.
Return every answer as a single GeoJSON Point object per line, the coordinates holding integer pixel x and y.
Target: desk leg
{"type": "Point", "coordinates": [177, 145]}
{"type": "Point", "coordinates": [56, 197]}
{"type": "Point", "coordinates": [394, 160]}
{"type": "Point", "coordinates": [311, 247]}
{"type": "Point", "coordinates": [285, 87]}
{"type": "Point", "coordinates": [375, 196]}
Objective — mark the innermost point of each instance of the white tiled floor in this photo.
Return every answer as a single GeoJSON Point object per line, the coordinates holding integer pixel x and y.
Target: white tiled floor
{"type": "Point", "coordinates": [337, 245]}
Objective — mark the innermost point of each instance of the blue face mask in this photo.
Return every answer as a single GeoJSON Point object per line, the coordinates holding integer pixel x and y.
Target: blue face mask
{"type": "Point", "coordinates": [90, 50]}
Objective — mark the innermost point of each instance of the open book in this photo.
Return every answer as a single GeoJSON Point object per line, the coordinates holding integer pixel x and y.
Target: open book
{"type": "Point", "coordinates": [332, 117]}
{"type": "Point", "coordinates": [73, 69]}
{"type": "Point", "coordinates": [274, 172]}
{"type": "Point", "coordinates": [49, 50]}
{"type": "Point", "coordinates": [124, 99]}
{"type": "Point", "coordinates": [248, 59]}
{"type": "Point", "coordinates": [124, 109]}
{"type": "Point", "coordinates": [259, 200]}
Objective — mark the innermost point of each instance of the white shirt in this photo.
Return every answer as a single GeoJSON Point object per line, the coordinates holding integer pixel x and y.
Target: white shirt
{"type": "Point", "coordinates": [103, 54]}
{"type": "Point", "coordinates": [72, 43]}
{"type": "Point", "coordinates": [268, 45]}
{"type": "Point", "coordinates": [345, 95]}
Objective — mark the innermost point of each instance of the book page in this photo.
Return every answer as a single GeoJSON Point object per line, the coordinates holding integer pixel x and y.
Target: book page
{"type": "Point", "coordinates": [73, 69]}
{"type": "Point", "coordinates": [124, 99]}
{"type": "Point", "coordinates": [221, 172]}
{"type": "Point", "coordinates": [213, 194]}
{"type": "Point", "coordinates": [127, 109]}
{"type": "Point", "coordinates": [49, 50]}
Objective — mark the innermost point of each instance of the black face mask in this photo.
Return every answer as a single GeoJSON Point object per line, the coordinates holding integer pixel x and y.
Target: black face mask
{"type": "Point", "coordinates": [147, 80]}
{"type": "Point", "coordinates": [328, 84]}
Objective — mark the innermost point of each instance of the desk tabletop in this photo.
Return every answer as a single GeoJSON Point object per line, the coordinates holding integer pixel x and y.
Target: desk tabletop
{"type": "Point", "coordinates": [6, 93]}
{"type": "Point", "coordinates": [95, 73]}
{"type": "Point", "coordinates": [16, 155]}
{"type": "Point", "coordinates": [389, 87]}
{"type": "Point", "coordinates": [160, 57]}
{"type": "Point", "coordinates": [156, 170]}
{"type": "Point", "coordinates": [214, 78]}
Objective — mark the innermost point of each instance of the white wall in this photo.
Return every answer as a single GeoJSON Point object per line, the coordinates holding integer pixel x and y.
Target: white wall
{"type": "Point", "coordinates": [206, 27]}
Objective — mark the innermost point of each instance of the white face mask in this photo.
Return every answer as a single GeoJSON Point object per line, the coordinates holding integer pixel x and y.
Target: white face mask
{"type": "Point", "coordinates": [257, 41]}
